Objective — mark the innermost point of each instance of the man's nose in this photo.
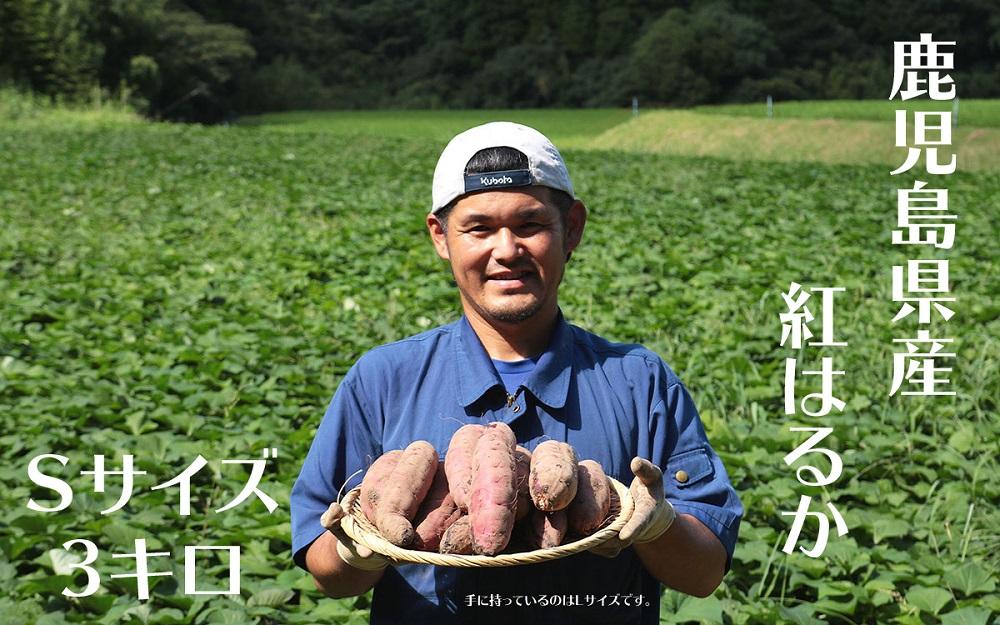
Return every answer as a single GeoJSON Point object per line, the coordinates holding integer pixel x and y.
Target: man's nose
{"type": "Point", "coordinates": [507, 246]}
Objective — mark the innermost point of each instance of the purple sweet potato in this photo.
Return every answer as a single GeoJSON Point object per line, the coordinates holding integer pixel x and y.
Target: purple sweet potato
{"type": "Point", "coordinates": [493, 495]}
{"type": "Point", "coordinates": [457, 539]}
{"type": "Point", "coordinates": [522, 457]}
{"type": "Point", "coordinates": [547, 529]}
{"type": "Point", "coordinates": [553, 478]}
{"type": "Point", "coordinates": [590, 507]}
{"type": "Point", "coordinates": [458, 462]}
{"type": "Point", "coordinates": [437, 512]}
{"type": "Point", "coordinates": [404, 490]}
{"type": "Point", "coordinates": [371, 486]}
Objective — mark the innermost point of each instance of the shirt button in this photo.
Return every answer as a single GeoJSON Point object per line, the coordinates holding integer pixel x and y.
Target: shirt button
{"type": "Point", "coordinates": [516, 408]}
{"type": "Point", "coordinates": [681, 476]}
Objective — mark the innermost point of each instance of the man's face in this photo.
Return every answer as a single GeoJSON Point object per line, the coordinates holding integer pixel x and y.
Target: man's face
{"type": "Point", "coordinates": [507, 251]}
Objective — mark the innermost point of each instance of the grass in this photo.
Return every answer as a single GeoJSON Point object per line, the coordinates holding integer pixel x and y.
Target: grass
{"type": "Point", "coordinates": [566, 129]}
{"type": "Point", "coordinates": [840, 141]}
{"type": "Point", "coordinates": [972, 113]}
{"type": "Point", "coordinates": [24, 109]}
{"type": "Point", "coordinates": [175, 290]}
{"type": "Point", "coordinates": [835, 132]}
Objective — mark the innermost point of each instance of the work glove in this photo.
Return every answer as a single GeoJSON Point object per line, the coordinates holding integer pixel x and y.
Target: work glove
{"type": "Point", "coordinates": [651, 516]}
{"type": "Point", "coordinates": [354, 554]}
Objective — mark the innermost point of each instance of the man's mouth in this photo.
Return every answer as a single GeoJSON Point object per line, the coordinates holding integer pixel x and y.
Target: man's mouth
{"type": "Point", "coordinates": [510, 278]}
{"type": "Point", "coordinates": [508, 275]}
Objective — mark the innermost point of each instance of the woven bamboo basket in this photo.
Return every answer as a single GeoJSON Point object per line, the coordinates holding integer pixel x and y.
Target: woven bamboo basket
{"type": "Point", "coordinates": [357, 526]}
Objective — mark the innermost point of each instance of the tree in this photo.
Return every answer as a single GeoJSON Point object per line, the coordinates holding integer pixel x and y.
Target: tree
{"type": "Point", "coordinates": [46, 46]}
{"type": "Point", "coordinates": [690, 58]}
{"type": "Point", "coordinates": [197, 61]}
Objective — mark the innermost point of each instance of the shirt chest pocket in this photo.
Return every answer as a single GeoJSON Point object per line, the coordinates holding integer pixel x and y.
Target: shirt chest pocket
{"type": "Point", "coordinates": [689, 468]}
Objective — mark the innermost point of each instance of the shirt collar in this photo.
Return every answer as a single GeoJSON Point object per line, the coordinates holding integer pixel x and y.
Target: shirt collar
{"type": "Point", "coordinates": [549, 382]}
{"type": "Point", "coordinates": [476, 373]}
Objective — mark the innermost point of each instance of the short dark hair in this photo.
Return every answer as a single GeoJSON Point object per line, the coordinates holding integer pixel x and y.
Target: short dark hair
{"type": "Point", "coordinates": [502, 158]}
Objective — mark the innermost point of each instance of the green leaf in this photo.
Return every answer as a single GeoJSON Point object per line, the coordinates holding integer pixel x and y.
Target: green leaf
{"type": "Point", "coordinates": [838, 606]}
{"type": "Point", "coordinates": [888, 528]}
{"type": "Point", "coordinates": [137, 424]}
{"type": "Point", "coordinates": [98, 603]}
{"type": "Point", "coordinates": [928, 599]}
{"type": "Point", "coordinates": [7, 571]}
{"type": "Point", "coordinates": [122, 534]}
{"type": "Point", "coordinates": [970, 578]}
{"type": "Point", "coordinates": [707, 610]}
{"type": "Point", "coordinates": [230, 617]}
{"type": "Point", "coordinates": [167, 616]}
{"type": "Point", "coordinates": [880, 591]}
{"type": "Point", "coordinates": [63, 561]}
{"type": "Point", "coordinates": [270, 597]}
{"type": "Point", "coordinates": [963, 439]}
{"type": "Point", "coordinates": [969, 615]}
{"type": "Point", "coordinates": [800, 615]}
{"type": "Point", "coordinates": [50, 584]}
{"type": "Point", "coordinates": [141, 612]}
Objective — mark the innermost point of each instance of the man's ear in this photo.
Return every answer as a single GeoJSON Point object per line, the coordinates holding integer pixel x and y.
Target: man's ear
{"type": "Point", "coordinates": [438, 236]}
{"type": "Point", "coordinates": [576, 219]}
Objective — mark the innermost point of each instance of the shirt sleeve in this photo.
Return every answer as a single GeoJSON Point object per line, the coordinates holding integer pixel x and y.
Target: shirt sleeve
{"type": "Point", "coordinates": [347, 441]}
{"type": "Point", "coordinates": [694, 479]}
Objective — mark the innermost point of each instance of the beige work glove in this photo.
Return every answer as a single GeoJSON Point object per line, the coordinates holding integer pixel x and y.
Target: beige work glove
{"type": "Point", "coordinates": [652, 515]}
{"type": "Point", "coordinates": [354, 554]}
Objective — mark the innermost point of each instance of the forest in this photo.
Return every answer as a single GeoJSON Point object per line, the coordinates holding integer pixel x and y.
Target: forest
{"type": "Point", "coordinates": [199, 60]}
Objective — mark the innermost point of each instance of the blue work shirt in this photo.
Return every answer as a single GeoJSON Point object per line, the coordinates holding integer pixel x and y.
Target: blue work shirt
{"type": "Point", "coordinates": [610, 401]}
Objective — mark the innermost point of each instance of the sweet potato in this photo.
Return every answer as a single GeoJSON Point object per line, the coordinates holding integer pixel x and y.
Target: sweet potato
{"type": "Point", "coordinates": [437, 512]}
{"type": "Point", "coordinates": [547, 529]}
{"type": "Point", "coordinates": [592, 503]}
{"type": "Point", "coordinates": [404, 490]}
{"type": "Point", "coordinates": [458, 462]}
{"type": "Point", "coordinates": [371, 486]}
{"type": "Point", "coordinates": [553, 476]}
{"type": "Point", "coordinates": [493, 495]}
{"type": "Point", "coordinates": [522, 458]}
{"type": "Point", "coordinates": [457, 538]}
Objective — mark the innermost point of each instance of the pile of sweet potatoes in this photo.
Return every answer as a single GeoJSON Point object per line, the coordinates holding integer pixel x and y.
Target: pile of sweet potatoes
{"type": "Point", "coordinates": [488, 494]}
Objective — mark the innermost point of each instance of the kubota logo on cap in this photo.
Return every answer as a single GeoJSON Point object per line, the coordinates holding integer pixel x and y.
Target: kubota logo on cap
{"type": "Point", "coordinates": [493, 180]}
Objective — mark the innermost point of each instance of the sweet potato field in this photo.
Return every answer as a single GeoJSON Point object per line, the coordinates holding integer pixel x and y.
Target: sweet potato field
{"type": "Point", "coordinates": [173, 291]}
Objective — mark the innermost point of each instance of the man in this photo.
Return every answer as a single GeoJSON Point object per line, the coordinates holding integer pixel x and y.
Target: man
{"type": "Point", "coordinates": [505, 217]}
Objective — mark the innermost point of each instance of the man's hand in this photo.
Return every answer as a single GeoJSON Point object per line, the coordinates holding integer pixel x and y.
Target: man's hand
{"type": "Point", "coordinates": [652, 515]}
{"type": "Point", "coordinates": [354, 554]}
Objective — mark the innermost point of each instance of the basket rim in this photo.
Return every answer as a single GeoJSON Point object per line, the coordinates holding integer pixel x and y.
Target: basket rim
{"type": "Point", "coordinates": [353, 524]}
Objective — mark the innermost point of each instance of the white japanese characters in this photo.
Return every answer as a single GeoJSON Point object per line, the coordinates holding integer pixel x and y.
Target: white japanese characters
{"type": "Point", "coordinates": [912, 58]}
{"type": "Point", "coordinates": [142, 572]}
{"type": "Point", "coordinates": [795, 332]}
{"type": "Point", "coordinates": [141, 556]}
{"type": "Point", "coordinates": [919, 367]}
{"type": "Point", "coordinates": [927, 137]}
{"type": "Point", "coordinates": [921, 286]}
{"type": "Point", "coordinates": [923, 218]}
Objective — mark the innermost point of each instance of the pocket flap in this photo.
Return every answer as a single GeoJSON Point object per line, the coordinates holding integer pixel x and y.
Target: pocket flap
{"type": "Point", "coordinates": [689, 467]}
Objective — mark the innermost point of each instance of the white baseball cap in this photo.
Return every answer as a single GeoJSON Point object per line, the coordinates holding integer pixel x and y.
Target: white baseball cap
{"type": "Point", "coordinates": [545, 165]}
